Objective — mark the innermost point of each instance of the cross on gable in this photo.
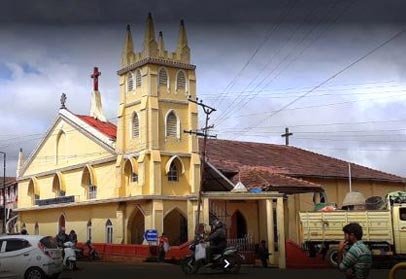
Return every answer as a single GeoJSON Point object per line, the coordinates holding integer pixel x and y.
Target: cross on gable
{"type": "Point", "coordinates": [286, 135]}
{"type": "Point", "coordinates": [95, 77]}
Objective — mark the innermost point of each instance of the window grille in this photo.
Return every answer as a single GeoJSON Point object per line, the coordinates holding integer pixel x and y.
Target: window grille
{"type": "Point", "coordinates": [173, 172]}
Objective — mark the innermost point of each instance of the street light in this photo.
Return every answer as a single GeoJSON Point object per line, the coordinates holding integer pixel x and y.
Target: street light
{"type": "Point", "coordinates": [4, 192]}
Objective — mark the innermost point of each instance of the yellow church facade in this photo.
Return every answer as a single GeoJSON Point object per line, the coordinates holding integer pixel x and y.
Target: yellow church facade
{"type": "Point", "coordinates": [111, 182]}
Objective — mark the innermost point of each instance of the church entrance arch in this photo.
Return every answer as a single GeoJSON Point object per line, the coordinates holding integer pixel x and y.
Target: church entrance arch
{"type": "Point", "coordinates": [238, 225]}
{"type": "Point", "coordinates": [136, 227]}
{"type": "Point", "coordinates": [175, 227]}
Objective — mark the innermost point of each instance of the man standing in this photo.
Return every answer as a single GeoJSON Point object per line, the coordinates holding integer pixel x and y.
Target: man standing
{"type": "Point", "coordinates": [357, 262]}
{"type": "Point", "coordinates": [163, 247]}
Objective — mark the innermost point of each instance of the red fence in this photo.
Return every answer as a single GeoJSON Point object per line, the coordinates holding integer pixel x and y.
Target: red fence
{"type": "Point", "coordinates": [295, 256]}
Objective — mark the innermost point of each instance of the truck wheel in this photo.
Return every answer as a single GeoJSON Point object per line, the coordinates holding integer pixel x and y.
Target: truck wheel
{"type": "Point", "coordinates": [332, 256]}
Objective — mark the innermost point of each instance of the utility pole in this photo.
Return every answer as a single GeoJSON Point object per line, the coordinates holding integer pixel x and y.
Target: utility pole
{"type": "Point", "coordinates": [4, 192]}
{"type": "Point", "coordinates": [203, 132]}
{"type": "Point", "coordinates": [286, 135]}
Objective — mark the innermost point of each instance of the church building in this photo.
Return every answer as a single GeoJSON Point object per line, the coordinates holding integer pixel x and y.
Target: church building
{"type": "Point", "coordinates": [111, 182]}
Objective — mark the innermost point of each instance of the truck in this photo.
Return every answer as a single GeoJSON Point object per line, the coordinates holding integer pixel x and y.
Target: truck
{"type": "Point", "coordinates": [384, 231]}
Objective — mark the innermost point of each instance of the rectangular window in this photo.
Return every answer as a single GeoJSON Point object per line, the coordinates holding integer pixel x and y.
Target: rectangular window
{"type": "Point", "coordinates": [402, 213]}
{"type": "Point", "coordinates": [134, 177]}
{"type": "Point", "coordinates": [16, 244]}
{"type": "Point", "coordinates": [109, 236]}
{"type": "Point", "coordinates": [89, 233]}
{"type": "Point", "coordinates": [92, 192]}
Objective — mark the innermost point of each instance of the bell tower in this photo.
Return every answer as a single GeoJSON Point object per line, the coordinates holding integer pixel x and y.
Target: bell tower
{"type": "Point", "coordinates": [153, 113]}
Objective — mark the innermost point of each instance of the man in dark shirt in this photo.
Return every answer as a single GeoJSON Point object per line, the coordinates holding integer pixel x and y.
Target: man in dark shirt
{"type": "Point", "coordinates": [218, 240]}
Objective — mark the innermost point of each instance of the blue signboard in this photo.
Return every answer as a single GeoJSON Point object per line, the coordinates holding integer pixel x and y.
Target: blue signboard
{"type": "Point", "coordinates": [151, 235]}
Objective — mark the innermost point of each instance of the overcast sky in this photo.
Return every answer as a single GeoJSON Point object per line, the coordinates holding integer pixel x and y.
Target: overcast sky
{"type": "Point", "coordinates": [257, 63]}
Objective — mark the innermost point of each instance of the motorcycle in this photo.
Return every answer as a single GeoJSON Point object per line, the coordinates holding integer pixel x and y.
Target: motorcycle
{"type": "Point", "coordinates": [228, 261]}
{"type": "Point", "coordinates": [69, 259]}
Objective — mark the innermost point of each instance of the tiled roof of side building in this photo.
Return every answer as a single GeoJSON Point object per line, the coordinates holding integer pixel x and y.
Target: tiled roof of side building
{"type": "Point", "coordinates": [288, 160]}
{"type": "Point", "coordinates": [9, 181]}
{"type": "Point", "coordinates": [279, 159]}
{"type": "Point", "coordinates": [107, 128]}
{"type": "Point", "coordinates": [268, 180]}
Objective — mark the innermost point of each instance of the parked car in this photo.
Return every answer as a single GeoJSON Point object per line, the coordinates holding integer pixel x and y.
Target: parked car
{"type": "Point", "coordinates": [29, 256]}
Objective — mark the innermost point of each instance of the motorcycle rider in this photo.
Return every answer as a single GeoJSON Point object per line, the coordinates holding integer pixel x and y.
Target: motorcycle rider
{"type": "Point", "coordinates": [217, 238]}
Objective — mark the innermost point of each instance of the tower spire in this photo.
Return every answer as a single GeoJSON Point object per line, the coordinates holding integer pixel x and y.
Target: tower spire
{"type": "Point", "coordinates": [182, 49]}
{"type": "Point", "coordinates": [20, 162]}
{"type": "Point", "coordinates": [161, 44]}
{"type": "Point", "coordinates": [128, 56]}
{"type": "Point", "coordinates": [150, 44]}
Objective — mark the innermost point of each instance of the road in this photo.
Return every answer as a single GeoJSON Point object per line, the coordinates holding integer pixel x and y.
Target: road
{"type": "Point", "coordinates": [168, 271]}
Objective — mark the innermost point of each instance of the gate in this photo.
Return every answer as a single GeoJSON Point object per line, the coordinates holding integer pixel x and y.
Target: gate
{"type": "Point", "coordinates": [245, 246]}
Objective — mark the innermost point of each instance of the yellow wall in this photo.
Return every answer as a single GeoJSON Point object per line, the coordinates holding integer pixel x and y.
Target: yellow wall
{"type": "Point", "coordinates": [78, 149]}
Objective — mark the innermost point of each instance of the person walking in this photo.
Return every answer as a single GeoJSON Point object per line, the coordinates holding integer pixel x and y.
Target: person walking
{"type": "Point", "coordinates": [263, 253]}
{"type": "Point", "coordinates": [163, 247]}
{"type": "Point", "coordinates": [357, 261]}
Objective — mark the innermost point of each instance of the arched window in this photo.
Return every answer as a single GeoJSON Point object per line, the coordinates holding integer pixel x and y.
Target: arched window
{"type": "Point", "coordinates": [89, 230]}
{"type": "Point", "coordinates": [135, 126]}
{"type": "Point", "coordinates": [180, 81]}
{"type": "Point", "coordinates": [88, 182]}
{"type": "Point", "coordinates": [109, 231]}
{"type": "Point", "coordinates": [171, 125]}
{"type": "Point", "coordinates": [162, 77]}
{"type": "Point", "coordinates": [138, 78]}
{"type": "Point", "coordinates": [60, 147]}
{"type": "Point", "coordinates": [173, 174]}
{"type": "Point", "coordinates": [130, 82]}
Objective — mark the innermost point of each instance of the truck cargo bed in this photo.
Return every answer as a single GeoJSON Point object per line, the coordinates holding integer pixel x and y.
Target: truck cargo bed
{"type": "Point", "coordinates": [328, 226]}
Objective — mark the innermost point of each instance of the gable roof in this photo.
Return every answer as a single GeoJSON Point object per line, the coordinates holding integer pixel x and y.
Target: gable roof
{"type": "Point", "coordinates": [85, 128]}
{"type": "Point", "coordinates": [230, 156]}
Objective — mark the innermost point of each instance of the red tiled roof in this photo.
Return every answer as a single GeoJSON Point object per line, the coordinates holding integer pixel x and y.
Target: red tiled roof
{"type": "Point", "coordinates": [287, 160]}
{"type": "Point", "coordinates": [107, 128]}
{"type": "Point", "coordinates": [269, 181]}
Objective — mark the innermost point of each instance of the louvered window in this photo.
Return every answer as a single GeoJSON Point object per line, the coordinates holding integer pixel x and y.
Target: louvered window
{"type": "Point", "coordinates": [163, 77]}
{"type": "Point", "coordinates": [130, 82]}
{"type": "Point", "coordinates": [181, 80]}
{"type": "Point", "coordinates": [136, 126]}
{"type": "Point", "coordinates": [171, 125]}
{"type": "Point", "coordinates": [138, 79]}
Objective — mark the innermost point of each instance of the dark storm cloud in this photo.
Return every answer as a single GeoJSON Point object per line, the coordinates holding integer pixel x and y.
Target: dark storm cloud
{"type": "Point", "coordinates": [91, 11]}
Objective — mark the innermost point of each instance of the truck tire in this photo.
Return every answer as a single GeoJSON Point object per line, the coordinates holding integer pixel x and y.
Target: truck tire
{"type": "Point", "coordinates": [332, 256]}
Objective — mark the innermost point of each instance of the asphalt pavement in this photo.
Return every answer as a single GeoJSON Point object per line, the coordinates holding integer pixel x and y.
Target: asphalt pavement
{"type": "Point", "coordinates": [168, 271]}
